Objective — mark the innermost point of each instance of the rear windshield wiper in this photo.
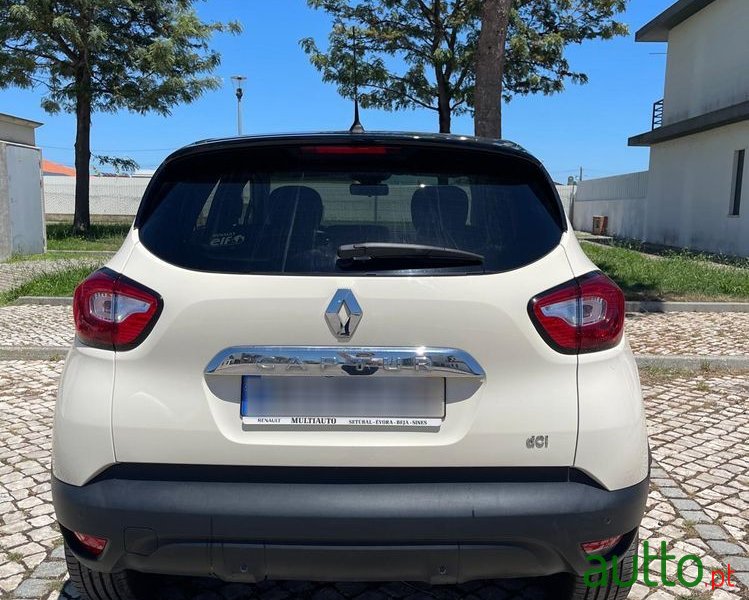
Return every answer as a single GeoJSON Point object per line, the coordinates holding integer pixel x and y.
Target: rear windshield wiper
{"type": "Point", "coordinates": [414, 255]}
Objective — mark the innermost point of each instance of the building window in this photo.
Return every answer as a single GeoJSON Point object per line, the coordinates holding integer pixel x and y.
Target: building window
{"type": "Point", "coordinates": [738, 182]}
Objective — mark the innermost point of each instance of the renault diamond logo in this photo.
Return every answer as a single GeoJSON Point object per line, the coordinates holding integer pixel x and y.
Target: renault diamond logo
{"type": "Point", "coordinates": [343, 314]}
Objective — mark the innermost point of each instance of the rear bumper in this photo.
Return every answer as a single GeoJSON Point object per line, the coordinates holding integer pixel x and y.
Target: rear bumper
{"type": "Point", "coordinates": [442, 526]}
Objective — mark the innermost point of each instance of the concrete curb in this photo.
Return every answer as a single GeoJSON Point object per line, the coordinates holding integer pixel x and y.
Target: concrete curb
{"type": "Point", "coordinates": [693, 363]}
{"type": "Point", "coordinates": [33, 352]}
{"type": "Point", "coordinates": [705, 307]}
{"type": "Point", "coordinates": [630, 307]}
{"type": "Point", "coordinates": [44, 300]}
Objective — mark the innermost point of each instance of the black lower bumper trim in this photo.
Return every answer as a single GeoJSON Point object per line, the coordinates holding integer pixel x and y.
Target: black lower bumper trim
{"type": "Point", "coordinates": [439, 531]}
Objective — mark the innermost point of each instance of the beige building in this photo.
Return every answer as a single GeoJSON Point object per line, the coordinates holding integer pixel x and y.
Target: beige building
{"type": "Point", "coordinates": [698, 183]}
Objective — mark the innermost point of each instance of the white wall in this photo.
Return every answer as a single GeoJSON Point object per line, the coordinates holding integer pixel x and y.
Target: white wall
{"type": "Point", "coordinates": [621, 199]}
{"type": "Point", "coordinates": [121, 196]}
{"type": "Point", "coordinates": [566, 192]}
{"type": "Point", "coordinates": [17, 133]}
{"type": "Point", "coordinates": [108, 195]}
{"type": "Point", "coordinates": [707, 61]}
{"type": "Point", "coordinates": [21, 214]}
{"type": "Point", "coordinates": [690, 192]}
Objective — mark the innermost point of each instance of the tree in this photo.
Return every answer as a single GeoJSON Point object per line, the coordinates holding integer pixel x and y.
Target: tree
{"type": "Point", "coordinates": [106, 55]}
{"type": "Point", "coordinates": [490, 65]}
{"type": "Point", "coordinates": [423, 53]}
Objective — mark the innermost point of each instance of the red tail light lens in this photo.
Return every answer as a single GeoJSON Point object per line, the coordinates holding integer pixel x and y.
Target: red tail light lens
{"type": "Point", "coordinates": [601, 546]}
{"type": "Point", "coordinates": [582, 315]}
{"type": "Point", "coordinates": [94, 545]}
{"type": "Point", "coordinates": [114, 312]}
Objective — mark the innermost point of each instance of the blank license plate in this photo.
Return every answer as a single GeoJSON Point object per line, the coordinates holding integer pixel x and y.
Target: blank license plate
{"type": "Point", "coordinates": [387, 402]}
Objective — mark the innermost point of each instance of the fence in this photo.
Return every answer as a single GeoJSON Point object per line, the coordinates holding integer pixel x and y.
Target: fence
{"type": "Point", "coordinates": [621, 199]}
{"type": "Point", "coordinates": [109, 196]}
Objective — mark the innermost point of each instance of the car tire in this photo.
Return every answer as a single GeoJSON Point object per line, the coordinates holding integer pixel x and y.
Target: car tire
{"type": "Point", "coordinates": [92, 585]}
{"type": "Point", "coordinates": [609, 591]}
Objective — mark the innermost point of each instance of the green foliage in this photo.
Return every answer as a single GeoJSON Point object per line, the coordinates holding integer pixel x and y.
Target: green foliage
{"type": "Point", "coordinates": [675, 276]}
{"type": "Point", "coordinates": [539, 32]}
{"type": "Point", "coordinates": [106, 55]}
{"type": "Point", "coordinates": [62, 236]}
{"type": "Point", "coordinates": [58, 283]}
{"type": "Point", "coordinates": [119, 164]}
{"type": "Point", "coordinates": [431, 41]}
{"type": "Point", "coordinates": [139, 55]}
{"type": "Point", "coordinates": [420, 53]}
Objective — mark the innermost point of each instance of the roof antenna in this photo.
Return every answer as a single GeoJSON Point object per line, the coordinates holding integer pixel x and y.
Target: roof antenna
{"type": "Point", "coordinates": [356, 127]}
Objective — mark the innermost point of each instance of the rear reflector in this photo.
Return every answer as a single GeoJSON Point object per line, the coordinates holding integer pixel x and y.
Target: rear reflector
{"type": "Point", "coordinates": [91, 543]}
{"type": "Point", "coordinates": [348, 150]}
{"type": "Point", "coordinates": [600, 546]}
{"type": "Point", "coordinates": [582, 315]}
{"type": "Point", "coordinates": [114, 312]}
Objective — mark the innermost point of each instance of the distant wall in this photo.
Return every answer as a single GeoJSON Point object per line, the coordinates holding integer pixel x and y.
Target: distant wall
{"type": "Point", "coordinates": [120, 196]}
{"type": "Point", "coordinates": [109, 196]}
{"type": "Point", "coordinates": [691, 191]}
{"type": "Point", "coordinates": [622, 199]}
{"type": "Point", "coordinates": [706, 68]}
{"type": "Point", "coordinates": [566, 192]}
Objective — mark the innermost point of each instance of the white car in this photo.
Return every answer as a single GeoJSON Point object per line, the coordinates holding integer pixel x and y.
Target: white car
{"type": "Point", "coordinates": [349, 357]}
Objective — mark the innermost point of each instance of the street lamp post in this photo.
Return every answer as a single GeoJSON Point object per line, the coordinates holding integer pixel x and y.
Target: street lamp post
{"type": "Point", "coordinates": [237, 80]}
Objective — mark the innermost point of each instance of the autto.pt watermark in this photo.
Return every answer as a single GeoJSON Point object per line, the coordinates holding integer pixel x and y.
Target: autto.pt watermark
{"type": "Point", "coordinates": [599, 575]}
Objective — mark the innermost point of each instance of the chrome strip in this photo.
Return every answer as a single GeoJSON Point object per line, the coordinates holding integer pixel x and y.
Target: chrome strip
{"type": "Point", "coordinates": [335, 361]}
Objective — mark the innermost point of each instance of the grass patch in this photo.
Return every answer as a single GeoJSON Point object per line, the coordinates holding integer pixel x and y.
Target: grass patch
{"type": "Point", "coordinates": [58, 255]}
{"type": "Point", "coordinates": [657, 250]}
{"type": "Point", "coordinates": [58, 283]}
{"type": "Point", "coordinates": [673, 276]}
{"type": "Point", "coordinates": [655, 375]}
{"type": "Point", "coordinates": [103, 236]}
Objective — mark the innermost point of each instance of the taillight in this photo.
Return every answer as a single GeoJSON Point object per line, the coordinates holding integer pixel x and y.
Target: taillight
{"type": "Point", "coordinates": [91, 543]}
{"type": "Point", "coordinates": [582, 315]}
{"type": "Point", "coordinates": [601, 546]}
{"type": "Point", "coordinates": [114, 312]}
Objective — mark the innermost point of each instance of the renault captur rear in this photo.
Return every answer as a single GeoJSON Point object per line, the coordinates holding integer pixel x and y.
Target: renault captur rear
{"type": "Point", "coordinates": [348, 357]}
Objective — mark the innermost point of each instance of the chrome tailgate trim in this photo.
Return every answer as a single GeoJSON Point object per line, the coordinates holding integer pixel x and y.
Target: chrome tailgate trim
{"type": "Point", "coordinates": [335, 361]}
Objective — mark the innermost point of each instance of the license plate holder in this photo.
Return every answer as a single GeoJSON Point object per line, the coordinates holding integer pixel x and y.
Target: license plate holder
{"type": "Point", "coordinates": [342, 402]}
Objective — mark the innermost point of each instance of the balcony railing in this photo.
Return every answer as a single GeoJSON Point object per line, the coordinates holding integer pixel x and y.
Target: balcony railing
{"type": "Point", "coordinates": [657, 114]}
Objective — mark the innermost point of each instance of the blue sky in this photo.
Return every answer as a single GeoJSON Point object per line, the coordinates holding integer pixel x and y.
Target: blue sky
{"type": "Point", "coordinates": [584, 126]}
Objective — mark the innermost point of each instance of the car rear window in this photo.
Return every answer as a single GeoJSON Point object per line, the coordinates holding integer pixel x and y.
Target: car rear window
{"type": "Point", "coordinates": [289, 210]}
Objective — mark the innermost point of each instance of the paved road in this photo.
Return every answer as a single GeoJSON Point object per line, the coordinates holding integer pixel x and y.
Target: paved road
{"type": "Point", "coordinates": [699, 503]}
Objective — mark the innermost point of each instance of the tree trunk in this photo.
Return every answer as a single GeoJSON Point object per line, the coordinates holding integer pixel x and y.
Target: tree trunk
{"type": "Point", "coordinates": [443, 101]}
{"type": "Point", "coordinates": [445, 118]}
{"type": "Point", "coordinates": [81, 217]}
{"type": "Point", "coordinates": [490, 65]}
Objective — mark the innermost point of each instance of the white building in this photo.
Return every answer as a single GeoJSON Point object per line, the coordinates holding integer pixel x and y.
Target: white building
{"type": "Point", "coordinates": [21, 206]}
{"type": "Point", "coordinates": [698, 187]}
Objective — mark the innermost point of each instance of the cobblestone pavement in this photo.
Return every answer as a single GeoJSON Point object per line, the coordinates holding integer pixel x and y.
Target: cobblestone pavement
{"type": "Point", "coordinates": [32, 325]}
{"type": "Point", "coordinates": [700, 334]}
{"type": "Point", "coordinates": [693, 334]}
{"type": "Point", "coordinates": [699, 503]}
{"type": "Point", "coordinates": [13, 274]}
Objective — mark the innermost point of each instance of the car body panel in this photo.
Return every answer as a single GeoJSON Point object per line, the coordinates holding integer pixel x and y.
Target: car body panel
{"type": "Point", "coordinates": [164, 410]}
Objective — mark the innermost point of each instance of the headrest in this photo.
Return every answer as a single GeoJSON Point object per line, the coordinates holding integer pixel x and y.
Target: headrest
{"type": "Point", "coordinates": [306, 201]}
{"type": "Point", "coordinates": [439, 207]}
